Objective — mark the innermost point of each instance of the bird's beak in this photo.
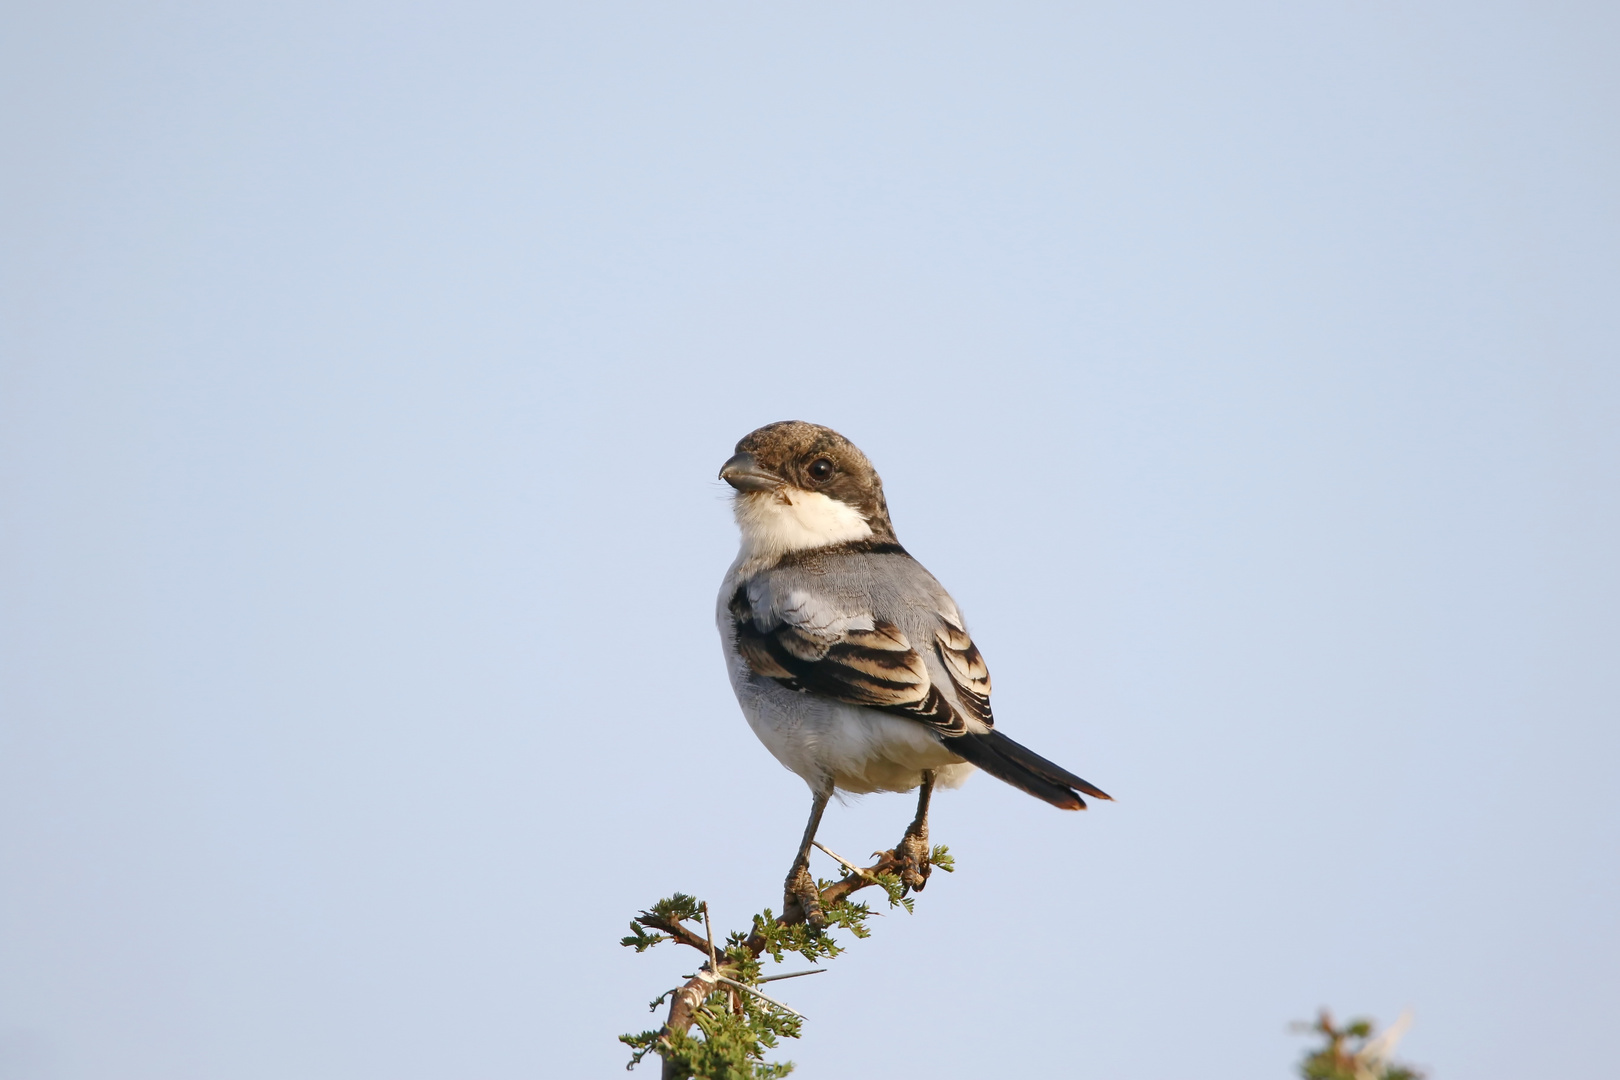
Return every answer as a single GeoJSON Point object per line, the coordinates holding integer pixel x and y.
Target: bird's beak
{"type": "Point", "coordinates": [745, 474]}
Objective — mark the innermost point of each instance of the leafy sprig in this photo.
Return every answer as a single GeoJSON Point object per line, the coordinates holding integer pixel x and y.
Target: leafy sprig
{"type": "Point", "coordinates": [736, 1024]}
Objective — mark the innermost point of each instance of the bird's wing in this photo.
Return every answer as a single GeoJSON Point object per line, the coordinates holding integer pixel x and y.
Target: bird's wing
{"type": "Point", "coordinates": [817, 643]}
{"type": "Point", "coordinates": [841, 636]}
{"type": "Point", "coordinates": [966, 668]}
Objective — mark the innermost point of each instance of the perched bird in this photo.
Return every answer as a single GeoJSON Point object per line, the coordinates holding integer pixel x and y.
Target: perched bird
{"type": "Point", "coordinates": [852, 664]}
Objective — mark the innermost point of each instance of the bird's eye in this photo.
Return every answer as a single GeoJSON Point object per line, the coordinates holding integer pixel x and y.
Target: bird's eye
{"type": "Point", "coordinates": [821, 470]}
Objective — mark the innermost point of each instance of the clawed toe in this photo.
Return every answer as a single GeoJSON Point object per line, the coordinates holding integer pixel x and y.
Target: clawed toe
{"type": "Point", "coordinates": [911, 861]}
{"type": "Point", "coordinates": [801, 893]}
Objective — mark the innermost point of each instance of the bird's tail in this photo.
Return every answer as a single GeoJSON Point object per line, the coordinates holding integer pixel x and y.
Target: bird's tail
{"type": "Point", "coordinates": [1024, 769]}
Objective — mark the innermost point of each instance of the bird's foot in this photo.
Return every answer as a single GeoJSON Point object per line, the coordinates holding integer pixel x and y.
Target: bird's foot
{"type": "Point", "coordinates": [911, 857]}
{"type": "Point", "coordinates": [803, 898]}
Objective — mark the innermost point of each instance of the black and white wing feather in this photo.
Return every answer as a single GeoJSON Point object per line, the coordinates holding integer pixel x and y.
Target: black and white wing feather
{"type": "Point", "coordinates": [807, 644]}
{"type": "Point", "coordinates": [811, 643]}
{"type": "Point", "coordinates": [966, 668]}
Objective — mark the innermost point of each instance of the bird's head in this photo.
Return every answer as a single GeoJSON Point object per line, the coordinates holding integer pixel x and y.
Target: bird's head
{"type": "Point", "coordinates": [804, 486]}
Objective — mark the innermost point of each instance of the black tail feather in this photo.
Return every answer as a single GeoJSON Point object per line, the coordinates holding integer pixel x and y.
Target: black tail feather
{"type": "Point", "coordinates": [1024, 769]}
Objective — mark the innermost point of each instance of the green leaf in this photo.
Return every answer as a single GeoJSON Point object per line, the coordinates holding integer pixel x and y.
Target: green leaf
{"type": "Point", "coordinates": [639, 939]}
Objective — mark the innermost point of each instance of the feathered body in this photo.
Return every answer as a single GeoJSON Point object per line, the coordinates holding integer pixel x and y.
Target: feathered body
{"type": "Point", "coordinates": [852, 664]}
{"type": "Point", "coordinates": [823, 596]}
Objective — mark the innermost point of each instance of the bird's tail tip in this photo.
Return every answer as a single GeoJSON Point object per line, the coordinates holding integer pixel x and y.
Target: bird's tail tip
{"type": "Point", "coordinates": [1024, 769]}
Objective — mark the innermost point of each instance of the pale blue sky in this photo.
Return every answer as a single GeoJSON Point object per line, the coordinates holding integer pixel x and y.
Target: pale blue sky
{"type": "Point", "coordinates": [1248, 372]}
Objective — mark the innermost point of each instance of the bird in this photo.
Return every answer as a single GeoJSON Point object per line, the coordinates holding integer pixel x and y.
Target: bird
{"type": "Point", "coordinates": [850, 662]}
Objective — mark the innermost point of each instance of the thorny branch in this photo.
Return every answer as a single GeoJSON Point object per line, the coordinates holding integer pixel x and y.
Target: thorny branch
{"type": "Point", "coordinates": [737, 966]}
{"type": "Point", "coordinates": [674, 929]}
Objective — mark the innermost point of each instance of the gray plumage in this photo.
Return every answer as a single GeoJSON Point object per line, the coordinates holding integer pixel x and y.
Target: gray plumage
{"type": "Point", "coordinates": [852, 664]}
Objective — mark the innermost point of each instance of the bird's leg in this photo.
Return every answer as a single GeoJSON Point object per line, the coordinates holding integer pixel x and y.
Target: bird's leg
{"type": "Point", "coordinates": [801, 894]}
{"type": "Point", "coordinates": [911, 853]}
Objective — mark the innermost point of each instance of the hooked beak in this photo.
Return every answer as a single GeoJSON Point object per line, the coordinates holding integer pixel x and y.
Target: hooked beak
{"type": "Point", "coordinates": [745, 474]}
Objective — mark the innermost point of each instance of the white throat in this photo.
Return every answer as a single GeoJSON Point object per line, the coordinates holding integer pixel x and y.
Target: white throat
{"type": "Point", "coordinates": [774, 523]}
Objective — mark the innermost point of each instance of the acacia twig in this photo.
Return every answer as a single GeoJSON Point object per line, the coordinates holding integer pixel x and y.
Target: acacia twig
{"type": "Point", "coordinates": [689, 998]}
{"type": "Point", "coordinates": [675, 929]}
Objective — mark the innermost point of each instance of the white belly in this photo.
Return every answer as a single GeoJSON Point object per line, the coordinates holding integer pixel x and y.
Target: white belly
{"type": "Point", "coordinates": [847, 747]}
{"type": "Point", "coordinates": [831, 745]}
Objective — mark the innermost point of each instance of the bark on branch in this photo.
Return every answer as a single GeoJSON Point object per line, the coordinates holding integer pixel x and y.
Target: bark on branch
{"type": "Point", "coordinates": [690, 997]}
